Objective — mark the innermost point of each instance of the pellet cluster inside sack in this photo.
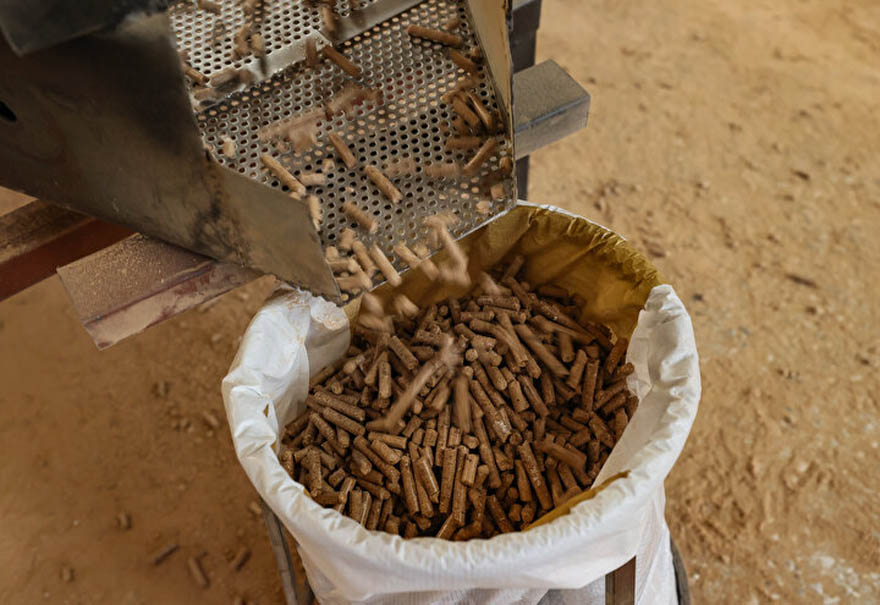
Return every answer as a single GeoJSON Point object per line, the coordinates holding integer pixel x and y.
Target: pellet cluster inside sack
{"type": "Point", "coordinates": [465, 419]}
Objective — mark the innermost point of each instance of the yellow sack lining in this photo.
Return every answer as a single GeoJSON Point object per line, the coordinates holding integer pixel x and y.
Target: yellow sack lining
{"type": "Point", "coordinates": [559, 248]}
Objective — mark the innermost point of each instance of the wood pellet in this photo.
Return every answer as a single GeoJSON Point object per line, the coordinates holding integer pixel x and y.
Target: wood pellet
{"type": "Point", "coordinates": [342, 61]}
{"type": "Point", "coordinates": [466, 418]}
{"type": "Point", "coordinates": [434, 35]}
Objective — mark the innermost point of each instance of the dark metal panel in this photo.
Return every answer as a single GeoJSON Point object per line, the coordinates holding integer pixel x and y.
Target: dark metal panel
{"type": "Point", "coordinates": [522, 177]}
{"type": "Point", "coordinates": [104, 126]}
{"type": "Point", "coordinates": [526, 17]}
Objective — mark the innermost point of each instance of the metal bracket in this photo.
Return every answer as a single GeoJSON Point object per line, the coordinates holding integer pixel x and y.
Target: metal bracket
{"type": "Point", "coordinates": [549, 106]}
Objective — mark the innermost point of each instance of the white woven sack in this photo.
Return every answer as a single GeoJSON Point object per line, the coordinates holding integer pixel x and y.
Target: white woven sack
{"type": "Point", "coordinates": [295, 335]}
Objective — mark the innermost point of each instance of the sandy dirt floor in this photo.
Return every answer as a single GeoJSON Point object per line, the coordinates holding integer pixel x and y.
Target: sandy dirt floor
{"type": "Point", "coordinates": [737, 143]}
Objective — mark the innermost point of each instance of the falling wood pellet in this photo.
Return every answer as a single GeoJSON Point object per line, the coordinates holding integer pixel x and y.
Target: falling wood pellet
{"type": "Point", "coordinates": [465, 112]}
{"type": "Point", "coordinates": [258, 45]}
{"type": "Point", "coordinates": [351, 94]}
{"type": "Point", "coordinates": [421, 250]}
{"type": "Point", "coordinates": [341, 61]}
{"type": "Point", "coordinates": [402, 167]}
{"type": "Point", "coordinates": [217, 32]}
{"type": "Point", "coordinates": [383, 184]}
{"type": "Point", "coordinates": [66, 574]}
{"type": "Point", "coordinates": [497, 191]}
{"type": "Point", "coordinates": [310, 179]}
{"type": "Point", "coordinates": [312, 58]}
{"type": "Point", "coordinates": [204, 94]}
{"type": "Point", "coordinates": [434, 35]}
{"type": "Point", "coordinates": [484, 207]}
{"type": "Point", "coordinates": [457, 143]}
{"type": "Point", "coordinates": [466, 83]}
{"type": "Point", "coordinates": [343, 150]}
{"type": "Point", "coordinates": [195, 75]}
{"type": "Point", "coordinates": [211, 7]}
{"type": "Point", "coordinates": [329, 19]}
{"type": "Point", "coordinates": [460, 126]}
{"type": "Point", "coordinates": [245, 76]}
{"type": "Point", "coordinates": [452, 24]}
{"type": "Point", "coordinates": [385, 266]}
{"type": "Point", "coordinates": [163, 553]}
{"type": "Point", "coordinates": [240, 46]}
{"type": "Point", "coordinates": [486, 116]}
{"type": "Point", "coordinates": [445, 170]}
{"type": "Point", "coordinates": [224, 77]}
{"type": "Point", "coordinates": [363, 257]}
{"type": "Point", "coordinates": [315, 211]}
{"type": "Point", "coordinates": [297, 189]}
{"type": "Point", "coordinates": [364, 220]}
{"type": "Point", "coordinates": [343, 265]}
{"type": "Point", "coordinates": [355, 282]}
{"type": "Point", "coordinates": [346, 239]}
{"type": "Point", "coordinates": [228, 146]}
{"type": "Point", "coordinates": [483, 154]}
{"type": "Point", "coordinates": [463, 62]}
{"type": "Point", "coordinates": [455, 271]}
{"type": "Point", "coordinates": [285, 126]}
{"type": "Point", "coordinates": [404, 307]}
{"type": "Point", "coordinates": [415, 262]}
{"type": "Point", "coordinates": [196, 572]}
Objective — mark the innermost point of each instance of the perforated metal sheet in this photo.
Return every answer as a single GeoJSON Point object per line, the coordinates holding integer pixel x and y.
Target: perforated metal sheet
{"type": "Point", "coordinates": [411, 123]}
{"type": "Point", "coordinates": [207, 38]}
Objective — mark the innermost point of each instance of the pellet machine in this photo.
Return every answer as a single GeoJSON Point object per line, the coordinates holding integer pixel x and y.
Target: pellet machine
{"type": "Point", "coordinates": [140, 127]}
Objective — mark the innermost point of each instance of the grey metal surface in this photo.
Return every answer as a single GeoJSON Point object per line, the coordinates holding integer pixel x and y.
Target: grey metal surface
{"type": "Point", "coordinates": [682, 587]}
{"type": "Point", "coordinates": [411, 122]}
{"type": "Point", "coordinates": [31, 25]}
{"type": "Point", "coordinates": [549, 105]}
{"type": "Point", "coordinates": [119, 142]}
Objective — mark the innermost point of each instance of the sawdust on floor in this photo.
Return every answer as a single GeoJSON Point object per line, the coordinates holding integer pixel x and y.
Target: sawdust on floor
{"type": "Point", "coordinates": [735, 142]}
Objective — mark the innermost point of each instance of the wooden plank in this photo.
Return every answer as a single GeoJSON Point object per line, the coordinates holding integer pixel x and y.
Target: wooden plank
{"type": "Point", "coordinates": [37, 238]}
{"type": "Point", "coordinates": [133, 284]}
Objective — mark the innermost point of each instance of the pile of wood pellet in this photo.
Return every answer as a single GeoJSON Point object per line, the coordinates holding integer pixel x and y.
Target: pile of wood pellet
{"type": "Point", "coordinates": [501, 400]}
